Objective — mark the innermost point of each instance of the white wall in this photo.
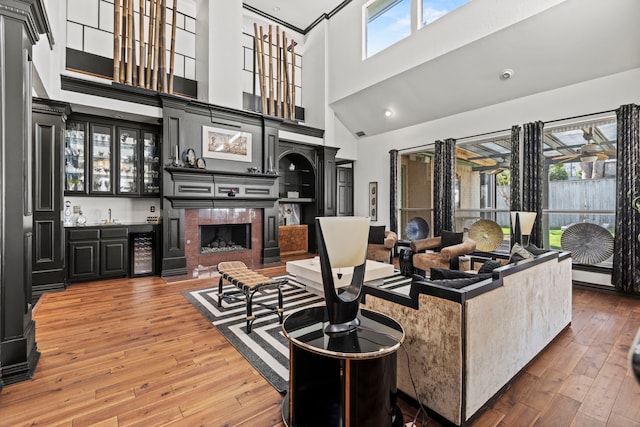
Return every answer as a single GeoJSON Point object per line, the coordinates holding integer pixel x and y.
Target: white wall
{"type": "Point", "coordinates": [224, 59]}
{"type": "Point", "coordinates": [126, 210]}
{"type": "Point", "coordinates": [314, 82]}
{"type": "Point", "coordinates": [594, 96]}
{"type": "Point", "coordinates": [48, 63]}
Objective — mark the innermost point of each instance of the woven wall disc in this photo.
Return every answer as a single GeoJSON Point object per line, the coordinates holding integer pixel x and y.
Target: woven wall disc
{"type": "Point", "coordinates": [588, 243]}
{"type": "Point", "coordinates": [487, 234]}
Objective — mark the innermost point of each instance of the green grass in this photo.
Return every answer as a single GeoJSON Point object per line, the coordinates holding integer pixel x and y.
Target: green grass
{"type": "Point", "coordinates": [554, 238]}
{"type": "Point", "coordinates": [555, 234]}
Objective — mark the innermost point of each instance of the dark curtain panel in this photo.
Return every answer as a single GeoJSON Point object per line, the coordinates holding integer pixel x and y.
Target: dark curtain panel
{"type": "Point", "coordinates": [444, 176]}
{"type": "Point", "coordinates": [532, 169]}
{"type": "Point", "coordinates": [437, 188]}
{"type": "Point", "coordinates": [626, 260]}
{"type": "Point", "coordinates": [393, 199]}
{"type": "Point", "coordinates": [514, 187]}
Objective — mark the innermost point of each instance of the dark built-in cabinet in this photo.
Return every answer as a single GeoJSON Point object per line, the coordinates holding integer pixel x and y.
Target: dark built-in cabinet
{"type": "Point", "coordinates": [111, 158]}
{"type": "Point", "coordinates": [97, 252]}
{"type": "Point", "coordinates": [48, 119]}
{"type": "Point", "coordinates": [109, 251]}
{"type": "Point", "coordinates": [308, 178]}
{"type": "Point", "coordinates": [297, 180]}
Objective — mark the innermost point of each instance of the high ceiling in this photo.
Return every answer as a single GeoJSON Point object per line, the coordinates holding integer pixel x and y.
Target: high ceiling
{"type": "Point", "coordinates": [576, 41]}
{"type": "Point", "coordinates": [294, 12]}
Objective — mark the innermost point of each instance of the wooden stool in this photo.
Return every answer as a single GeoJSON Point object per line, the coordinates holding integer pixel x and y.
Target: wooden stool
{"type": "Point", "coordinates": [248, 283]}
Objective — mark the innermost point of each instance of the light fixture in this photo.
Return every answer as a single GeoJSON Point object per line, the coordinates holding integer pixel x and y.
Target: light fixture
{"type": "Point", "coordinates": [507, 73]}
{"type": "Point", "coordinates": [589, 158]}
{"type": "Point", "coordinates": [276, 9]}
{"type": "Point", "coordinates": [388, 112]}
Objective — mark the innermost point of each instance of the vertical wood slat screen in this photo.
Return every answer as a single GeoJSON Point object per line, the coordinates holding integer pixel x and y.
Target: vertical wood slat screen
{"type": "Point", "coordinates": [277, 98]}
{"type": "Point", "coordinates": [143, 69]}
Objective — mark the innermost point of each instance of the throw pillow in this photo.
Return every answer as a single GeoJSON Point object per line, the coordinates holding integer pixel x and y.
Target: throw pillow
{"type": "Point", "coordinates": [489, 266]}
{"type": "Point", "coordinates": [376, 234]}
{"type": "Point", "coordinates": [518, 253]}
{"type": "Point", "coordinates": [445, 273]}
{"type": "Point", "coordinates": [534, 250]}
{"type": "Point", "coordinates": [457, 283]}
{"type": "Point", "coordinates": [450, 238]}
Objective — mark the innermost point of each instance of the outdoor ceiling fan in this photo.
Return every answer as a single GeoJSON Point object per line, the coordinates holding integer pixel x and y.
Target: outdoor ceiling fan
{"type": "Point", "coordinates": [588, 152]}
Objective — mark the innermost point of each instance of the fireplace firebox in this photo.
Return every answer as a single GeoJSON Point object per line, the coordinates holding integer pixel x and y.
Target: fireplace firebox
{"type": "Point", "coordinates": [224, 238]}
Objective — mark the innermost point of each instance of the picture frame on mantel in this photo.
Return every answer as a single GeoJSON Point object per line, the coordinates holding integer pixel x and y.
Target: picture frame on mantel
{"type": "Point", "coordinates": [226, 144]}
{"type": "Point", "coordinates": [373, 201]}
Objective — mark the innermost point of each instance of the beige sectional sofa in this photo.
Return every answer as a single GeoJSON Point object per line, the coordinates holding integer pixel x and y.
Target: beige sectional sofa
{"type": "Point", "coordinates": [465, 345]}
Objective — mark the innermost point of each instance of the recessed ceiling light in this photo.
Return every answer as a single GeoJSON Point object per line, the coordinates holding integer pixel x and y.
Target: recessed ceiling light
{"type": "Point", "coordinates": [507, 73]}
{"type": "Point", "coordinates": [276, 9]}
{"type": "Point", "coordinates": [388, 112]}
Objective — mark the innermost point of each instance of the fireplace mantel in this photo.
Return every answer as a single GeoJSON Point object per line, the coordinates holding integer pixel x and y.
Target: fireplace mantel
{"type": "Point", "coordinates": [204, 188]}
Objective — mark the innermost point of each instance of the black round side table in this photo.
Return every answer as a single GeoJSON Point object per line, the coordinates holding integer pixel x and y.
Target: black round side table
{"type": "Point", "coordinates": [345, 379]}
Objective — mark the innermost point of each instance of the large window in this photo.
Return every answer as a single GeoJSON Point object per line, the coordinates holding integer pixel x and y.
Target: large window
{"type": "Point", "coordinates": [579, 180]}
{"type": "Point", "coordinates": [387, 21]}
{"type": "Point", "coordinates": [416, 189]}
{"type": "Point", "coordinates": [580, 160]}
{"type": "Point", "coordinates": [483, 176]}
{"type": "Point", "coordinates": [434, 9]}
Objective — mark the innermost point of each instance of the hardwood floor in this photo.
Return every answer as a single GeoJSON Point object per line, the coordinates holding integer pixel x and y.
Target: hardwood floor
{"type": "Point", "coordinates": [135, 352]}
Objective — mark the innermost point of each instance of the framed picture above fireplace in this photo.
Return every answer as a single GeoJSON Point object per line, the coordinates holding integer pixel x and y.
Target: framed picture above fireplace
{"type": "Point", "coordinates": [226, 144]}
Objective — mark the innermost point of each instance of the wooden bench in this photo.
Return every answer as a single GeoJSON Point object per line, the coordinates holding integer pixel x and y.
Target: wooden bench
{"type": "Point", "coordinates": [248, 283]}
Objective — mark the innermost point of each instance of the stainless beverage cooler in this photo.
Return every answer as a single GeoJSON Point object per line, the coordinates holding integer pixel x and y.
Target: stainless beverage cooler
{"type": "Point", "coordinates": [142, 254]}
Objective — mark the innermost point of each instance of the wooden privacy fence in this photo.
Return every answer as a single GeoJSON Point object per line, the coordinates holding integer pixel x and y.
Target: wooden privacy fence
{"type": "Point", "coordinates": [147, 68]}
{"type": "Point", "coordinates": [278, 98]}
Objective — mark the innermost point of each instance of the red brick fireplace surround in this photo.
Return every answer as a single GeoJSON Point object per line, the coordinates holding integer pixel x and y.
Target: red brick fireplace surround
{"type": "Point", "coordinates": [194, 218]}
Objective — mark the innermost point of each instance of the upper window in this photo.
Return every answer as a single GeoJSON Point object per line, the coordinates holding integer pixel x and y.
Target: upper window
{"type": "Point", "coordinates": [387, 21]}
{"type": "Point", "coordinates": [434, 9]}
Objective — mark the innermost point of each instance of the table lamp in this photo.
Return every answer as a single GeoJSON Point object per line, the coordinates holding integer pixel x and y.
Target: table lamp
{"type": "Point", "coordinates": [521, 226]}
{"type": "Point", "coordinates": [342, 243]}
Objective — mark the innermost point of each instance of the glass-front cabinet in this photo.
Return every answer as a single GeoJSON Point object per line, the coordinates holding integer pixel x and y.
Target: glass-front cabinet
{"type": "Point", "coordinates": [101, 160]}
{"type": "Point", "coordinates": [123, 158]}
{"type": "Point", "coordinates": [128, 150]}
{"type": "Point", "coordinates": [151, 162]}
{"type": "Point", "coordinates": [74, 157]}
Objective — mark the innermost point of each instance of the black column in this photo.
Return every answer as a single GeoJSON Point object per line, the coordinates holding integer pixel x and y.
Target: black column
{"type": "Point", "coordinates": [21, 22]}
{"type": "Point", "coordinates": [270, 242]}
{"type": "Point", "coordinates": [393, 185]}
{"type": "Point", "coordinates": [49, 119]}
{"type": "Point", "coordinates": [174, 259]}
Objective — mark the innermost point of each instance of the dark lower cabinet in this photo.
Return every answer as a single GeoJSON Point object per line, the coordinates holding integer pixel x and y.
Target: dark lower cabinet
{"type": "Point", "coordinates": [113, 257]}
{"type": "Point", "coordinates": [97, 253]}
{"type": "Point", "coordinates": [83, 260]}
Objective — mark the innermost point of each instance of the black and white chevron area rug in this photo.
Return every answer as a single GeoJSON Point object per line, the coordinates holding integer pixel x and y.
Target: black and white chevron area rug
{"type": "Point", "coordinates": [266, 347]}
